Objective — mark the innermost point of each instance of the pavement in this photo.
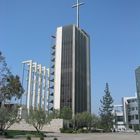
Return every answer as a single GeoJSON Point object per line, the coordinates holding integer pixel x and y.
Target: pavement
{"type": "Point", "coordinates": [89, 136]}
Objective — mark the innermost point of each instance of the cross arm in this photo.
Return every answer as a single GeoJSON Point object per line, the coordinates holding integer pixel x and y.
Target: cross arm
{"type": "Point", "coordinates": [82, 3]}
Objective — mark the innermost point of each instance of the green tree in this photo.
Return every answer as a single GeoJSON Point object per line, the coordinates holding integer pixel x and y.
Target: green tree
{"type": "Point", "coordinates": [83, 119]}
{"type": "Point", "coordinates": [38, 118]}
{"type": "Point", "coordinates": [4, 73]}
{"type": "Point", "coordinates": [66, 113]}
{"type": "Point", "coordinates": [10, 85]}
{"type": "Point", "coordinates": [8, 116]}
{"type": "Point", "coordinates": [55, 114]}
{"type": "Point", "coordinates": [106, 110]}
{"type": "Point", "coordinates": [95, 123]}
{"type": "Point", "coordinates": [12, 88]}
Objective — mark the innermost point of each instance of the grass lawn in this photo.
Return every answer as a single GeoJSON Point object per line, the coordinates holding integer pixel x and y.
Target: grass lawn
{"type": "Point", "coordinates": [18, 133]}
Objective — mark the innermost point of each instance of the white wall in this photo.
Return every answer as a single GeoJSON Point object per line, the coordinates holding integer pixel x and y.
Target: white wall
{"type": "Point", "coordinates": [54, 126]}
{"type": "Point", "coordinates": [57, 79]}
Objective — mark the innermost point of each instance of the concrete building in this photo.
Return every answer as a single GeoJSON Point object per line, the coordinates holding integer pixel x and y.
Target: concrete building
{"type": "Point", "coordinates": [126, 115]}
{"type": "Point", "coordinates": [72, 69]}
{"type": "Point", "coordinates": [137, 75]}
{"type": "Point", "coordinates": [119, 124]}
{"type": "Point", "coordinates": [130, 110]}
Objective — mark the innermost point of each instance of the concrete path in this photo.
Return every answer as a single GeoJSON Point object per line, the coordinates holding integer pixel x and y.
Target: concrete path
{"type": "Point", "coordinates": [93, 136]}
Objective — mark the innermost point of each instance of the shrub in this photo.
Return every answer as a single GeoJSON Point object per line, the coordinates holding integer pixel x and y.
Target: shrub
{"type": "Point", "coordinates": [41, 138]}
{"type": "Point", "coordinates": [28, 138]}
{"type": "Point", "coordinates": [55, 139]}
{"type": "Point", "coordinates": [66, 130]}
{"type": "Point", "coordinates": [62, 130]}
{"type": "Point", "coordinates": [81, 130]}
{"type": "Point", "coordinates": [8, 135]}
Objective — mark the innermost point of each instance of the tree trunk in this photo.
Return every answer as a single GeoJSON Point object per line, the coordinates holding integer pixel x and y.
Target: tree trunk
{"type": "Point", "coordinates": [1, 129]}
{"type": "Point", "coordinates": [37, 130]}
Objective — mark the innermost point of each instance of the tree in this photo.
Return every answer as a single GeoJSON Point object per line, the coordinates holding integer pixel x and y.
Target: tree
{"type": "Point", "coordinates": [83, 119]}
{"type": "Point", "coordinates": [8, 116]}
{"type": "Point", "coordinates": [55, 114]}
{"type": "Point", "coordinates": [10, 85]}
{"type": "Point", "coordinates": [38, 118]}
{"type": "Point", "coordinates": [12, 88]}
{"type": "Point", "coordinates": [66, 113]}
{"type": "Point", "coordinates": [95, 123]}
{"type": "Point", "coordinates": [106, 110]}
{"type": "Point", "coordinates": [4, 73]}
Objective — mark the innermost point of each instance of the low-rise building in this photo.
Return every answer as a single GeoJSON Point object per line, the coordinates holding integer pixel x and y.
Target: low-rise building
{"type": "Point", "coordinates": [119, 124]}
{"type": "Point", "coordinates": [130, 111]}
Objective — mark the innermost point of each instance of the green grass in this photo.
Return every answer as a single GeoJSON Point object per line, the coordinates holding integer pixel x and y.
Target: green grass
{"type": "Point", "coordinates": [18, 133]}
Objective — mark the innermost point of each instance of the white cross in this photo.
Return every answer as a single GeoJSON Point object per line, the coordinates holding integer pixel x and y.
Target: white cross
{"type": "Point", "coordinates": [77, 6]}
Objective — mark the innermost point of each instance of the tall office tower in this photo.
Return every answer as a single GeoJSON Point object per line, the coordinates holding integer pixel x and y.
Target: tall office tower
{"type": "Point", "coordinates": [137, 75]}
{"type": "Point", "coordinates": [72, 69]}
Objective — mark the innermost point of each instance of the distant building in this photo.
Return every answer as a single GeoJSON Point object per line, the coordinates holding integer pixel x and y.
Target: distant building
{"type": "Point", "coordinates": [119, 124]}
{"type": "Point", "coordinates": [126, 115]}
{"type": "Point", "coordinates": [137, 75]}
{"type": "Point", "coordinates": [130, 110]}
{"type": "Point", "coordinates": [72, 69]}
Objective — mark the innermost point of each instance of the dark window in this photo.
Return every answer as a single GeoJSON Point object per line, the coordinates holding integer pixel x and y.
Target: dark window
{"type": "Point", "coordinates": [119, 118]}
{"type": "Point", "coordinates": [136, 116]}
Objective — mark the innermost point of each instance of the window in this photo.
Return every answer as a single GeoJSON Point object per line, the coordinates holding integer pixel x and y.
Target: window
{"type": "Point", "coordinates": [136, 117]}
{"type": "Point", "coordinates": [120, 118]}
{"type": "Point", "coordinates": [132, 108]}
{"type": "Point", "coordinates": [132, 117]}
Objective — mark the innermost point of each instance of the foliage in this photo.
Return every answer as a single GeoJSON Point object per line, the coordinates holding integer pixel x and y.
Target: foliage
{"type": "Point", "coordinates": [82, 123]}
{"type": "Point", "coordinates": [83, 119]}
{"type": "Point", "coordinates": [15, 133]}
{"type": "Point", "coordinates": [55, 139]}
{"type": "Point", "coordinates": [8, 116]}
{"type": "Point", "coordinates": [42, 138]}
{"type": "Point", "coordinates": [66, 130]}
{"type": "Point", "coordinates": [12, 88]}
{"type": "Point", "coordinates": [55, 114]}
{"type": "Point", "coordinates": [38, 118]}
{"type": "Point", "coordinates": [106, 110]}
{"type": "Point", "coordinates": [82, 130]}
{"type": "Point", "coordinates": [4, 70]}
{"type": "Point", "coordinates": [95, 123]}
{"type": "Point", "coordinates": [10, 85]}
{"type": "Point", "coordinates": [28, 137]}
{"type": "Point", "coordinates": [4, 73]}
{"type": "Point", "coordinates": [66, 113]}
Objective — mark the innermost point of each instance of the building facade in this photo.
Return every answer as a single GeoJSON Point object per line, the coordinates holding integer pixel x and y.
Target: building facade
{"type": "Point", "coordinates": [137, 75]}
{"type": "Point", "coordinates": [119, 124]}
{"type": "Point", "coordinates": [130, 110]}
{"type": "Point", "coordinates": [72, 69]}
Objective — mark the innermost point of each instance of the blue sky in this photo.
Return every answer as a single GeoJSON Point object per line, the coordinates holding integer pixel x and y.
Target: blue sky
{"type": "Point", "coordinates": [26, 27]}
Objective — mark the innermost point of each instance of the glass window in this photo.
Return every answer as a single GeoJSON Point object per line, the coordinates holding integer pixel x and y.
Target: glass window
{"type": "Point", "coordinates": [120, 118]}
{"type": "Point", "coordinates": [132, 117]}
{"type": "Point", "coordinates": [136, 116]}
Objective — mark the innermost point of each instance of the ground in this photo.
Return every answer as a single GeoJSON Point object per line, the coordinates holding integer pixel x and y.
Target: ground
{"type": "Point", "coordinates": [93, 136]}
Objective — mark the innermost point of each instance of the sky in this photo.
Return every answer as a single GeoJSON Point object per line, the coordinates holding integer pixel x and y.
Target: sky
{"type": "Point", "coordinates": [26, 27]}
